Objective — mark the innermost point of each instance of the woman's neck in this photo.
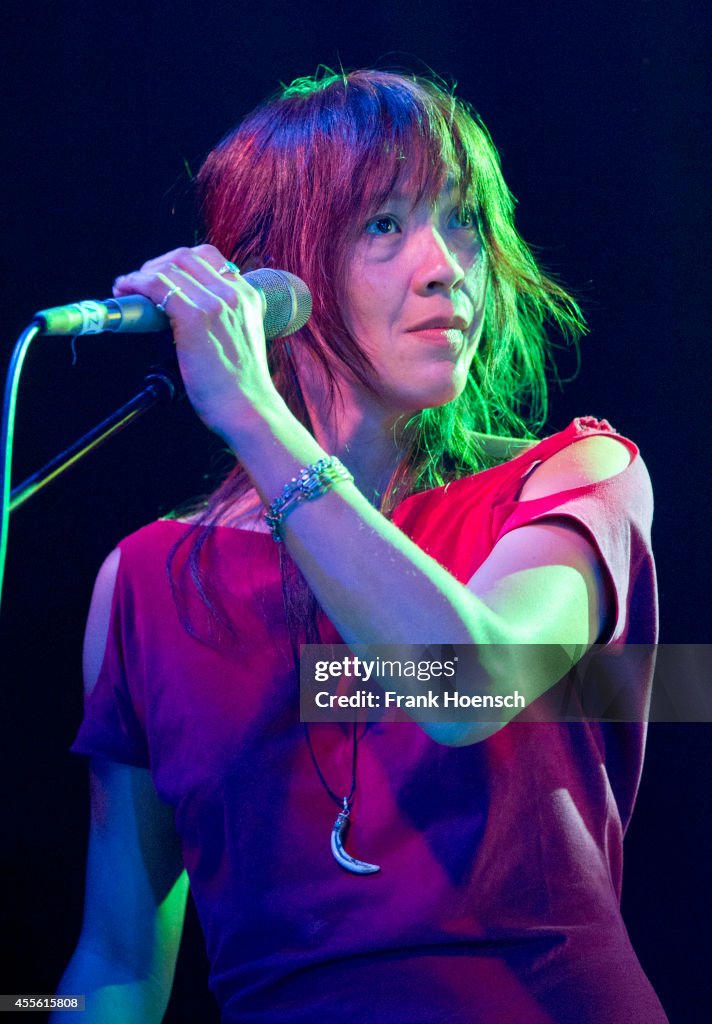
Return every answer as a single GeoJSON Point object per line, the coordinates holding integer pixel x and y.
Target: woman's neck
{"type": "Point", "coordinates": [358, 430]}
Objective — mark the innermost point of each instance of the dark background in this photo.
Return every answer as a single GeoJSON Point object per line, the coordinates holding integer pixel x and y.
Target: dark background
{"type": "Point", "coordinates": [598, 110]}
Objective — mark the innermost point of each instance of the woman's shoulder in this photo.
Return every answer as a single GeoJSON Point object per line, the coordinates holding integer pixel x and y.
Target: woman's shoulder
{"type": "Point", "coordinates": [156, 536]}
{"type": "Point", "coordinates": [502, 448]}
{"type": "Point", "coordinates": [245, 513]}
{"type": "Point", "coordinates": [588, 461]}
{"type": "Point", "coordinates": [237, 529]}
{"type": "Point", "coordinates": [162, 534]}
{"type": "Point", "coordinates": [586, 452]}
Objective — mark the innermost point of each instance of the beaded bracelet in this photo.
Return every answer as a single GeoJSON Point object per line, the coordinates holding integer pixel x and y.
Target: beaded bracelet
{"type": "Point", "coordinates": [311, 482]}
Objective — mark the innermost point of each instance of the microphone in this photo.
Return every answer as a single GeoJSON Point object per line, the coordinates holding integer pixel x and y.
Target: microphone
{"type": "Point", "coordinates": [286, 306]}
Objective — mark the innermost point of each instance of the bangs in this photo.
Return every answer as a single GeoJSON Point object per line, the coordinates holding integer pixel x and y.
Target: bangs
{"type": "Point", "coordinates": [379, 133]}
{"type": "Point", "coordinates": [405, 149]}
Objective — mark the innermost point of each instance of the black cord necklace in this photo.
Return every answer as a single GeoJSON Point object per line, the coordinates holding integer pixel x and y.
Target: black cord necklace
{"type": "Point", "coordinates": [338, 831]}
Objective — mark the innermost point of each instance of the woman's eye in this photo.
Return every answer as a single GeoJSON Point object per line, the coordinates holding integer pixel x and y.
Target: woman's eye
{"type": "Point", "coordinates": [383, 225]}
{"type": "Point", "coordinates": [464, 218]}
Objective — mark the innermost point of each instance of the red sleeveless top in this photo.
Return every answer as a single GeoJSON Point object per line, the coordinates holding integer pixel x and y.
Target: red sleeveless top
{"type": "Point", "coordinates": [498, 895]}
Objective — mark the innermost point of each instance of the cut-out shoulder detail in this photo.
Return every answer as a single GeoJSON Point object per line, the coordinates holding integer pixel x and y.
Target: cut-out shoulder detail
{"type": "Point", "coordinates": [590, 460]}
{"type": "Point", "coordinates": [97, 628]}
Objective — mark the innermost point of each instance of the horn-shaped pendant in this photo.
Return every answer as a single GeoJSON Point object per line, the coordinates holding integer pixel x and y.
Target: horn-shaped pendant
{"type": "Point", "coordinates": [357, 867]}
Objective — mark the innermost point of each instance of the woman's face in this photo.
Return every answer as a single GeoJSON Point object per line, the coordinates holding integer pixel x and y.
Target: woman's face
{"type": "Point", "coordinates": [415, 294]}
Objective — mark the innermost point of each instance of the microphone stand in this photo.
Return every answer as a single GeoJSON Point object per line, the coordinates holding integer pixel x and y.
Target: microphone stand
{"type": "Point", "coordinates": [159, 386]}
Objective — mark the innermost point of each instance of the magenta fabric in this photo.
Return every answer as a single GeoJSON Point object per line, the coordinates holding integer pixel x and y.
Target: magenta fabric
{"type": "Point", "coordinates": [498, 896]}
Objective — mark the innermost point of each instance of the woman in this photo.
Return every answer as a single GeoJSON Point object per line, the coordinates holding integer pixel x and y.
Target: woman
{"type": "Point", "coordinates": [498, 844]}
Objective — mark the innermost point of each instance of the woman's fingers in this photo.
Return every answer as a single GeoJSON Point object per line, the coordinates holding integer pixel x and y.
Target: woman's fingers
{"type": "Point", "coordinates": [207, 253]}
{"type": "Point", "coordinates": [217, 325]}
{"type": "Point", "coordinates": [197, 272]}
{"type": "Point", "coordinates": [204, 263]}
{"type": "Point", "coordinates": [163, 290]}
{"type": "Point", "coordinates": [230, 287]}
{"type": "Point", "coordinates": [199, 302]}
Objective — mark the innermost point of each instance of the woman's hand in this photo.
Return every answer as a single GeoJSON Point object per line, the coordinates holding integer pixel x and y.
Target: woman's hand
{"type": "Point", "coordinates": [217, 324]}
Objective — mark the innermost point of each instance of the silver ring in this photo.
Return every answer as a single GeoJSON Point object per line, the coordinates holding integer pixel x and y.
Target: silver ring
{"type": "Point", "coordinates": [169, 294]}
{"type": "Point", "coordinates": [228, 267]}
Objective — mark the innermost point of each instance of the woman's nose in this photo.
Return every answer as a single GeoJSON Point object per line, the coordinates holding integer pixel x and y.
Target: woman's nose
{"type": "Point", "coordinates": [436, 266]}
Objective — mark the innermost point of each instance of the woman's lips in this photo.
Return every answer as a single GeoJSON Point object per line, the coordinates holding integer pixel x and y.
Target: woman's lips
{"type": "Point", "coordinates": [451, 337]}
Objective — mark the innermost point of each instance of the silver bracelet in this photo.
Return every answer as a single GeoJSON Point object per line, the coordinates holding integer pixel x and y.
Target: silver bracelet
{"type": "Point", "coordinates": [311, 482]}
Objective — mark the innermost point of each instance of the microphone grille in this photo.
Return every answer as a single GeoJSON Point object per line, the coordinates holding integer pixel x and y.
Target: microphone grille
{"type": "Point", "coordinates": [288, 301]}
